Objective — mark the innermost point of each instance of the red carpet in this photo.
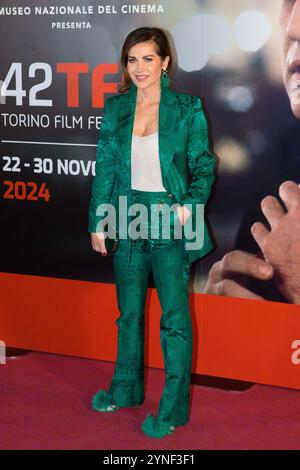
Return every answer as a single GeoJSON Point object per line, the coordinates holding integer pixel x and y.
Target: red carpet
{"type": "Point", "coordinates": [45, 404]}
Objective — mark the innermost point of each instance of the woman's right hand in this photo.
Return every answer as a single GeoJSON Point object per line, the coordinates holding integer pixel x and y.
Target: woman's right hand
{"type": "Point", "coordinates": [98, 242]}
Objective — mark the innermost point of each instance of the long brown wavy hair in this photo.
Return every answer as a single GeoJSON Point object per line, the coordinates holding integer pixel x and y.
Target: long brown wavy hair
{"type": "Point", "coordinates": [156, 35]}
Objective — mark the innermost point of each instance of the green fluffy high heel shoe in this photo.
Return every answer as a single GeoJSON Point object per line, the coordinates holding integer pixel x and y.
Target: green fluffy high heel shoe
{"type": "Point", "coordinates": [101, 402]}
{"type": "Point", "coordinates": [153, 428]}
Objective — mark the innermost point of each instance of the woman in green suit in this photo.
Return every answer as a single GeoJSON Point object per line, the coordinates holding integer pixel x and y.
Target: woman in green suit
{"type": "Point", "coordinates": [153, 151]}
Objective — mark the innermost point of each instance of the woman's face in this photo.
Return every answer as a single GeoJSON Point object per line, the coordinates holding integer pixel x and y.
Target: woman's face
{"type": "Point", "coordinates": [144, 65]}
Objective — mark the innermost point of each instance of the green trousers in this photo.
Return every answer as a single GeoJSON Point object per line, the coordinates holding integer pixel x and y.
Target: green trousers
{"type": "Point", "coordinates": [170, 265]}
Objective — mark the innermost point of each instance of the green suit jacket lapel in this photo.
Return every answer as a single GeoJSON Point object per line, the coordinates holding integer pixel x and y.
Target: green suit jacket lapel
{"type": "Point", "coordinates": [169, 119]}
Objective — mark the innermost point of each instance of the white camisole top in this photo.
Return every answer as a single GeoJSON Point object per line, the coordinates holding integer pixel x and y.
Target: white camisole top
{"type": "Point", "coordinates": [145, 164]}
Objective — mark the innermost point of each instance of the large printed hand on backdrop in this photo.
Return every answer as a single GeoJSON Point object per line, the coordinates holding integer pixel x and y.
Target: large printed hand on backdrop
{"type": "Point", "coordinates": [230, 275]}
{"type": "Point", "coordinates": [280, 245]}
{"type": "Point", "coordinates": [279, 259]}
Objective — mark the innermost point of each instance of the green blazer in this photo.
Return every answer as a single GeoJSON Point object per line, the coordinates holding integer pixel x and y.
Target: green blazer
{"type": "Point", "coordinates": [183, 151]}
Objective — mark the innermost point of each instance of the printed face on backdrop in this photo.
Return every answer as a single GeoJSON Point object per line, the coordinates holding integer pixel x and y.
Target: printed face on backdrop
{"type": "Point", "coordinates": [144, 65]}
{"type": "Point", "coordinates": [290, 51]}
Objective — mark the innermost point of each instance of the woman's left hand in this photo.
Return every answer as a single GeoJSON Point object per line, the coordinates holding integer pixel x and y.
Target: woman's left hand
{"type": "Point", "coordinates": [183, 214]}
